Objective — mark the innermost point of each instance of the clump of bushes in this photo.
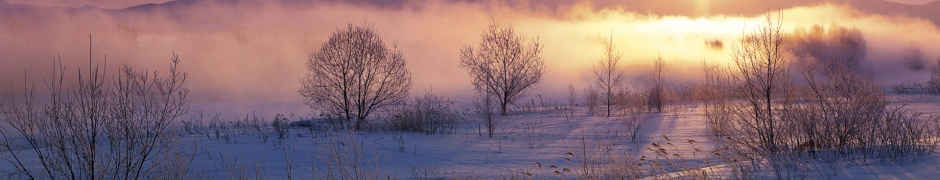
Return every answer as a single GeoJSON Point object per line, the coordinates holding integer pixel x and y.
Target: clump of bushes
{"type": "Point", "coordinates": [97, 127]}
{"type": "Point", "coordinates": [430, 114]}
{"type": "Point", "coordinates": [912, 88]}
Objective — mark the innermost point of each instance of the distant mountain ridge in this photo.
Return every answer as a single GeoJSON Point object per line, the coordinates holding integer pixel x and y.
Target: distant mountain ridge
{"type": "Point", "coordinates": [929, 11]}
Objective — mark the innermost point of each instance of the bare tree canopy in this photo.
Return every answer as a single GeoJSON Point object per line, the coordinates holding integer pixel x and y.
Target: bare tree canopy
{"type": "Point", "coordinates": [353, 74]}
{"type": "Point", "coordinates": [607, 74]}
{"type": "Point", "coordinates": [503, 65]}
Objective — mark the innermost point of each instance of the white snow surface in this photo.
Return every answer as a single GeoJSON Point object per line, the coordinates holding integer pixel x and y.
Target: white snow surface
{"type": "Point", "coordinates": [523, 140]}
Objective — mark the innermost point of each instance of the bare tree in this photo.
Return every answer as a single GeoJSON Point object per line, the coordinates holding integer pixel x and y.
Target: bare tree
{"type": "Point", "coordinates": [98, 130]}
{"type": "Point", "coordinates": [760, 80]}
{"type": "Point", "coordinates": [572, 103]}
{"type": "Point", "coordinates": [934, 82]}
{"type": "Point", "coordinates": [142, 108]}
{"type": "Point", "coordinates": [761, 69]}
{"type": "Point", "coordinates": [572, 97]}
{"type": "Point", "coordinates": [607, 74]}
{"type": "Point", "coordinates": [656, 98]}
{"type": "Point", "coordinates": [353, 74]}
{"type": "Point", "coordinates": [503, 65]}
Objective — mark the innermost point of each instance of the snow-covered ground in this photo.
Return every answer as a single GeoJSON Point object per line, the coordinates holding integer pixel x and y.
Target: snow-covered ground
{"type": "Point", "coordinates": [522, 140]}
{"type": "Point", "coordinates": [548, 144]}
{"type": "Point", "coordinates": [533, 144]}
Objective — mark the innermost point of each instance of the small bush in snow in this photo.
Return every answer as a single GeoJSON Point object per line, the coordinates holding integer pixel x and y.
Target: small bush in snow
{"type": "Point", "coordinates": [591, 99]}
{"type": "Point", "coordinates": [280, 126]}
{"type": "Point", "coordinates": [485, 107]}
{"type": "Point", "coordinates": [427, 114]}
{"type": "Point", "coordinates": [912, 88]}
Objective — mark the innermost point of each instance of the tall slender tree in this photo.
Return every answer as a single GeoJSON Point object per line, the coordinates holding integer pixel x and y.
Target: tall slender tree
{"type": "Point", "coordinates": [607, 74]}
{"type": "Point", "coordinates": [657, 97]}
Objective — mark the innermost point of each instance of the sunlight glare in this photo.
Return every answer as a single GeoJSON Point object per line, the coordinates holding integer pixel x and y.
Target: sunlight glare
{"type": "Point", "coordinates": [702, 7]}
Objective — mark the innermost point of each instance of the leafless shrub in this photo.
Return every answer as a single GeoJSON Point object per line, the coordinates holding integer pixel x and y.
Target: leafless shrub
{"type": "Point", "coordinates": [518, 173]}
{"type": "Point", "coordinates": [844, 106]}
{"type": "Point", "coordinates": [427, 173]}
{"type": "Point", "coordinates": [607, 74]}
{"type": "Point", "coordinates": [679, 159]}
{"type": "Point", "coordinates": [289, 155]}
{"type": "Point", "coordinates": [860, 131]}
{"type": "Point", "coordinates": [589, 162]}
{"type": "Point", "coordinates": [201, 123]}
{"type": "Point", "coordinates": [426, 114]}
{"type": "Point", "coordinates": [934, 83]}
{"type": "Point", "coordinates": [465, 176]}
{"type": "Point", "coordinates": [657, 94]}
{"type": "Point", "coordinates": [503, 66]}
{"type": "Point", "coordinates": [672, 162]}
{"type": "Point", "coordinates": [280, 126]}
{"type": "Point", "coordinates": [195, 124]}
{"type": "Point", "coordinates": [591, 99]}
{"type": "Point", "coordinates": [572, 103]}
{"type": "Point", "coordinates": [353, 74]}
{"type": "Point", "coordinates": [626, 166]}
{"type": "Point", "coordinates": [634, 114]}
{"type": "Point", "coordinates": [717, 105]}
{"type": "Point", "coordinates": [99, 130]}
{"type": "Point", "coordinates": [842, 114]}
{"type": "Point", "coordinates": [180, 158]}
{"type": "Point", "coordinates": [485, 106]}
{"type": "Point", "coordinates": [847, 117]}
{"type": "Point", "coordinates": [912, 88]}
{"type": "Point", "coordinates": [343, 156]}
{"type": "Point", "coordinates": [234, 169]}
{"type": "Point", "coordinates": [220, 128]}
{"type": "Point", "coordinates": [901, 136]}
{"type": "Point", "coordinates": [255, 124]}
{"type": "Point", "coordinates": [572, 97]}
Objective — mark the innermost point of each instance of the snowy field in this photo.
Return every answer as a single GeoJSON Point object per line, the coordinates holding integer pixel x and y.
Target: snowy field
{"type": "Point", "coordinates": [549, 144]}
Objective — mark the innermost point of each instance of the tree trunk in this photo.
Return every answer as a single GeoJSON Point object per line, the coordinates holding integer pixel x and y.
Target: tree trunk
{"type": "Point", "coordinates": [502, 108]}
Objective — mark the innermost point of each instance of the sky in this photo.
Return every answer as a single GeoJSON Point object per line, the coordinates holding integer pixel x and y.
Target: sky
{"type": "Point", "coordinates": [255, 50]}
{"type": "Point", "coordinates": [116, 4]}
{"type": "Point", "coordinates": [913, 1]}
{"type": "Point", "coordinates": [110, 4]}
